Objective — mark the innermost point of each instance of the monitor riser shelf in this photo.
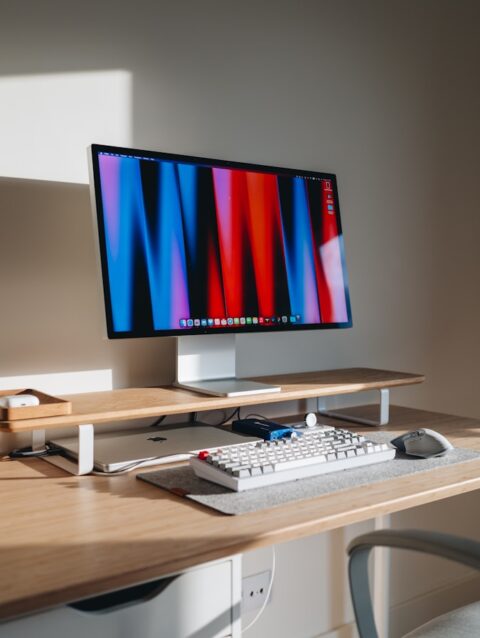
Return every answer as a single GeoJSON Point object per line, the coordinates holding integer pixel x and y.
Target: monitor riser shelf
{"type": "Point", "coordinates": [94, 409]}
{"type": "Point", "coordinates": [84, 464]}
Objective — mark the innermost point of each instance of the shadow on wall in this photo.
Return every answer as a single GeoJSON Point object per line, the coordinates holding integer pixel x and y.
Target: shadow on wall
{"type": "Point", "coordinates": [52, 318]}
{"type": "Point", "coordinates": [52, 323]}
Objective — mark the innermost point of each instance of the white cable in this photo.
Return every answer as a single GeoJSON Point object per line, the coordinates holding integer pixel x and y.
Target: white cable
{"type": "Point", "coordinates": [267, 597]}
{"type": "Point", "coordinates": [132, 466]}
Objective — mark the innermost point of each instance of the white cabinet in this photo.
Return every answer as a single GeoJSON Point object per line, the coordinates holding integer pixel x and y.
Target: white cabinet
{"type": "Point", "coordinates": [201, 603]}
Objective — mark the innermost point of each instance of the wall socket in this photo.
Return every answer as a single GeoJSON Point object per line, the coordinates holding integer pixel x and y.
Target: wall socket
{"type": "Point", "coordinates": [254, 590]}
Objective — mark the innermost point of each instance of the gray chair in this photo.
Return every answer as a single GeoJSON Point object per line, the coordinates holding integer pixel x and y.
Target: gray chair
{"type": "Point", "coordinates": [460, 623]}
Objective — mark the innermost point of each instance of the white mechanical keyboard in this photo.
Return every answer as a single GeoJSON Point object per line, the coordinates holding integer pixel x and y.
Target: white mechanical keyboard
{"type": "Point", "coordinates": [313, 451]}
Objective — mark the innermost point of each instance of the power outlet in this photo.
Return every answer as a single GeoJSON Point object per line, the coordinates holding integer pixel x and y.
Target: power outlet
{"type": "Point", "coordinates": [254, 590]}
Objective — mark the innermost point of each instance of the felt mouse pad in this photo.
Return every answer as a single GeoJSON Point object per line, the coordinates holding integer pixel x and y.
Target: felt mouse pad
{"type": "Point", "coordinates": [182, 481]}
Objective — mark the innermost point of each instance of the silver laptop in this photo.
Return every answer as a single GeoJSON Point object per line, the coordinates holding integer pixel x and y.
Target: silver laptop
{"type": "Point", "coordinates": [117, 451]}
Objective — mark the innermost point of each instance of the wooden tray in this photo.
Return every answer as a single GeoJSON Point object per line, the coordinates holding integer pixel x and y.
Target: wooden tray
{"type": "Point", "coordinates": [49, 406]}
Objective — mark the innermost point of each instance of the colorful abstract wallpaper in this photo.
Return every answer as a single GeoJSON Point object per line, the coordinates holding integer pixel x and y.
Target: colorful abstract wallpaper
{"type": "Point", "coordinates": [192, 247]}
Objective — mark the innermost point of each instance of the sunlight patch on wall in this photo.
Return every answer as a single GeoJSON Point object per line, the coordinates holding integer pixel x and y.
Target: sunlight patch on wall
{"type": "Point", "coordinates": [47, 122]}
{"type": "Point", "coordinates": [58, 383]}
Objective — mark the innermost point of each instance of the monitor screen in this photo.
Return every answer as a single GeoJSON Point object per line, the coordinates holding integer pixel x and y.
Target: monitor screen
{"type": "Point", "coordinates": [193, 246]}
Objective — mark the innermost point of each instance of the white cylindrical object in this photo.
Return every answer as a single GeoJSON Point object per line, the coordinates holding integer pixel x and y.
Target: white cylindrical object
{"type": "Point", "coordinates": [19, 401]}
{"type": "Point", "coordinates": [310, 419]}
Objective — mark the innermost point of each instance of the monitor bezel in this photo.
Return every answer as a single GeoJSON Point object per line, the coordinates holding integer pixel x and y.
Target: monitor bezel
{"type": "Point", "coordinates": [93, 152]}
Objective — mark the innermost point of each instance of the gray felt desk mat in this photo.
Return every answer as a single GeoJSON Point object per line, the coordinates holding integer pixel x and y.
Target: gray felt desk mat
{"type": "Point", "coordinates": [183, 481]}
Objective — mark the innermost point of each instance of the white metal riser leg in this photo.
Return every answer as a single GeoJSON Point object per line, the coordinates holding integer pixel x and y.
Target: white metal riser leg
{"type": "Point", "coordinates": [38, 440]}
{"type": "Point", "coordinates": [337, 414]}
{"type": "Point", "coordinates": [84, 464]}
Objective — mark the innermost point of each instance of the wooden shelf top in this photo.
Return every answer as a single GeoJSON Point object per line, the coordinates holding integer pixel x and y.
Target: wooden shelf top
{"type": "Point", "coordinates": [63, 538]}
{"type": "Point", "coordinates": [135, 403]}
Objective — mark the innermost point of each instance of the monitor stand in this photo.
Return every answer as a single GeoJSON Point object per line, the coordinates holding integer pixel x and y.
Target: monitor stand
{"type": "Point", "coordinates": [207, 364]}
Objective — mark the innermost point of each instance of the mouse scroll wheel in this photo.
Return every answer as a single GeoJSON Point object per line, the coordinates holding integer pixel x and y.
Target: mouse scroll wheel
{"type": "Point", "coordinates": [420, 432]}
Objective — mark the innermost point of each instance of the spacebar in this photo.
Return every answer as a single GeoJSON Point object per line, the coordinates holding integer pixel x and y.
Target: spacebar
{"type": "Point", "coordinates": [289, 465]}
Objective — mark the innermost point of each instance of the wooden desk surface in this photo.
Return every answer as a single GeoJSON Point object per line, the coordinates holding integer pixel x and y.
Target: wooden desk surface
{"type": "Point", "coordinates": [63, 538]}
{"type": "Point", "coordinates": [135, 403]}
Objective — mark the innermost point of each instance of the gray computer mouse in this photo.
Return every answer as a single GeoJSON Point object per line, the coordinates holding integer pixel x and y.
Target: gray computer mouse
{"type": "Point", "coordinates": [424, 443]}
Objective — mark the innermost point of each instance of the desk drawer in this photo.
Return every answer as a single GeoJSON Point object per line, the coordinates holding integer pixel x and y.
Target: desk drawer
{"type": "Point", "coordinates": [201, 603]}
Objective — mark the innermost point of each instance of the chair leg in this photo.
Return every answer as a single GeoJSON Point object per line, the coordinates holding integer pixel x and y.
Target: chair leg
{"type": "Point", "coordinates": [381, 581]}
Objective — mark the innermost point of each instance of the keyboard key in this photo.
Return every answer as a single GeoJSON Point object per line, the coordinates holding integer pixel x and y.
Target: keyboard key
{"type": "Point", "coordinates": [241, 473]}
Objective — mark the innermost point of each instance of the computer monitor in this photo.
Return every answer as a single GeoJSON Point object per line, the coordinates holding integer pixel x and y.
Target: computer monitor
{"type": "Point", "coordinates": [204, 249]}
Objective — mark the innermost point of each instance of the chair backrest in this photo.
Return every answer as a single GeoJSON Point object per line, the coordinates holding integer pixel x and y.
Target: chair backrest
{"type": "Point", "coordinates": [455, 548]}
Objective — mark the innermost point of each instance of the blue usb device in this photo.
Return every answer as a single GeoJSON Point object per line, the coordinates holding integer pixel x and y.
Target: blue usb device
{"type": "Point", "coordinates": [268, 430]}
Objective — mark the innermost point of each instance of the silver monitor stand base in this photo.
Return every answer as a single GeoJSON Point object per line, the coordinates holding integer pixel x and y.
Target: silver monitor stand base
{"type": "Point", "coordinates": [207, 364]}
{"type": "Point", "coordinates": [229, 387]}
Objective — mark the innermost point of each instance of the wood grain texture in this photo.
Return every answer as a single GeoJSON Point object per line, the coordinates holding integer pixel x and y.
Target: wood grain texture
{"type": "Point", "coordinates": [63, 538]}
{"type": "Point", "coordinates": [134, 403]}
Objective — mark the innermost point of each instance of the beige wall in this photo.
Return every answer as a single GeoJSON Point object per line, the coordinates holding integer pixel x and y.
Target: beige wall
{"type": "Point", "coordinates": [384, 94]}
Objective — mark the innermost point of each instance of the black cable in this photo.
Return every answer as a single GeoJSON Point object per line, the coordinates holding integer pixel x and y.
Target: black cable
{"type": "Point", "coordinates": [230, 416]}
{"type": "Point", "coordinates": [158, 421]}
{"type": "Point", "coordinates": [257, 416]}
{"type": "Point", "coordinates": [28, 453]}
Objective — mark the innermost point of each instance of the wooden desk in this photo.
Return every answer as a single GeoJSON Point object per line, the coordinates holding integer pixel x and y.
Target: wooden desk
{"type": "Point", "coordinates": [63, 538]}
